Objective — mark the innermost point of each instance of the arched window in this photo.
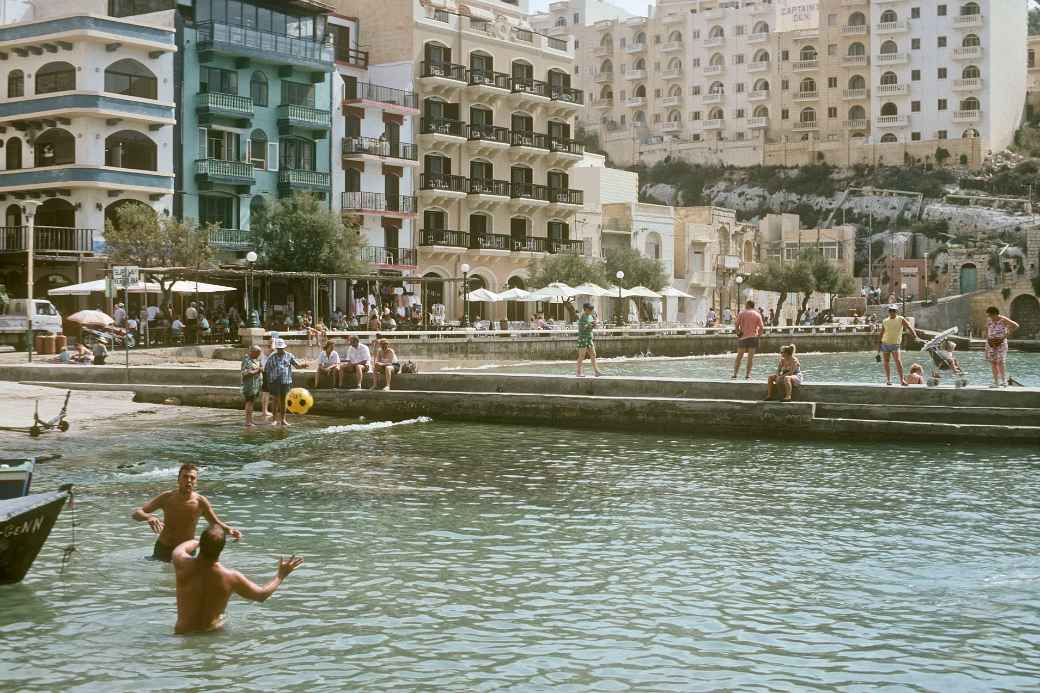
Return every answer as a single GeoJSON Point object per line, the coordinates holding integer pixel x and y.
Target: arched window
{"type": "Point", "coordinates": [674, 117]}
{"type": "Point", "coordinates": [971, 104]}
{"type": "Point", "coordinates": [675, 64]}
{"type": "Point", "coordinates": [762, 85]}
{"type": "Point", "coordinates": [760, 28]}
{"type": "Point", "coordinates": [639, 64]}
{"type": "Point", "coordinates": [971, 72]}
{"type": "Point", "coordinates": [889, 78]}
{"type": "Point", "coordinates": [807, 53]}
{"type": "Point", "coordinates": [639, 92]}
{"type": "Point", "coordinates": [675, 37]}
{"type": "Point", "coordinates": [13, 215]}
{"type": "Point", "coordinates": [297, 153]}
{"type": "Point", "coordinates": [970, 134]}
{"type": "Point", "coordinates": [857, 19]}
{"type": "Point", "coordinates": [807, 85]}
{"type": "Point", "coordinates": [761, 112]}
{"type": "Point", "coordinates": [52, 77]}
{"type": "Point", "coordinates": [717, 32]}
{"type": "Point", "coordinates": [717, 88]}
{"type": "Point", "coordinates": [857, 82]}
{"type": "Point", "coordinates": [606, 67]}
{"type": "Point", "coordinates": [13, 156]}
{"type": "Point", "coordinates": [889, 48]}
{"type": "Point", "coordinates": [131, 78]}
{"type": "Point", "coordinates": [857, 49]}
{"type": "Point", "coordinates": [56, 212]}
{"type": "Point", "coordinates": [808, 115]}
{"type": "Point", "coordinates": [258, 89]}
{"type": "Point", "coordinates": [971, 40]}
{"type": "Point", "coordinates": [638, 117]}
{"type": "Point", "coordinates": [258, 149]}
{"type": "Point", "coordinates": [888, 138]}
{"type": "Point", "coordinates": [717, 60]}
{"type": "Point", "coordinates": [480, 229]}
{"type": "Point", "coordinates": [607, 41]}
{"type": "Point", "coordinates": [889, 16]}
{"type": "Point", "coordinates": [15, 84]}
{"type": "Point", "coordinates": [969, 9]}
{"type": "Point", "coordinates": [561, 21]}
{"type": "Point", "coordinates": [54, 148]}
{"type": "Point", "coordinates": [481, 67]}
{"type": "Point", "coordinates": [131, 149]}
{"type": "Point", "coordinates": [607, 92]}
{"type": "Point", "coordinates": [761, 56]}
{"type": "Point", "coordinates": [640, 38]}
{"type": "Point", "coordinates": [857, 113]}
{"type": "Point", "coordinates": [716, 114]}
{"type": "Point", "coordinates": [889, 109]}
{"type": "Point", "coordinates": [675, 90]}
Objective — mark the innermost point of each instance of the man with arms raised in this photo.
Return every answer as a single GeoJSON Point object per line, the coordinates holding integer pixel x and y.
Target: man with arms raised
{"type": "Point", "coordinates": [204, 586]}
{"type": "Point", "coordinates": [181, 510]}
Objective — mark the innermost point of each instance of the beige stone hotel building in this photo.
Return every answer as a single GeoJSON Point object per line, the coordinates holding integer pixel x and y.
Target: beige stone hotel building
{"type": "Point", "coordinates": [494, 139]}
{"type": "Point", "coordinates": [874, 81]}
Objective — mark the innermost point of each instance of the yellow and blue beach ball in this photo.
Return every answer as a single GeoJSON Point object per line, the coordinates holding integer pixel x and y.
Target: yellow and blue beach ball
{"type": "Point", "coordinates": [299, 401]}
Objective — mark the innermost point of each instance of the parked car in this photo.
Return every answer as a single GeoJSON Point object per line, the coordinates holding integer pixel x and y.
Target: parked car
{"type": "Point", "coordinates": [14, 324]}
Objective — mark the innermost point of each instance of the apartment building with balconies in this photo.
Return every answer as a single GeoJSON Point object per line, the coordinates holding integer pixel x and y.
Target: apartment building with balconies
{"type": "Point", "coordinates": [374, 172]}
{"type": "Point", "coordinates": [876, 80]}
{"type": "Point", "coordinates": [87, 120]}
{"type": "Point", "coordinates": [255, 85]}
{"type": "Point", "coordinates": [1033, 72]}
{"type": "Point", "coordinates": [494, 140]}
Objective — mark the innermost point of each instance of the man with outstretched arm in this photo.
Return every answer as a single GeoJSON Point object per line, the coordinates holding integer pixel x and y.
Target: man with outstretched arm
{"type": "Point", "coordinates": [204, 586]}
{"type": "Point", "coordinates": [181, 511]}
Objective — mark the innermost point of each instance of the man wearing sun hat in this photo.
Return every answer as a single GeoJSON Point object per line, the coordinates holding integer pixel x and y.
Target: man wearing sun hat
{"type": "Point", "coordinates": [891, 339]}
{"type": "Point", "coordinates": [278, 370]}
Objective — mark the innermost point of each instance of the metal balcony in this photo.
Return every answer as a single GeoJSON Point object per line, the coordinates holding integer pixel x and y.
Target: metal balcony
{"type": "Point", "coordinates": [291, 179]}
{"type": "Point", "coordinates": [489, 186]}
{"type": "Point", "coordinates": [212, 106]}
{"type": "Point", "coordinates": [443, 237]}
{"type": "Point", "coordinates": [448, 72]}
{"type": "Point", "coordinates": [444, 182]}
{"type": "Point", "coordinates": [360, 147]}
{"type": "Point", "coordinates": [212, 172]}
{"type": "Point", "coordinates": [442, 127]}
{"type": "Point", "coordinates": [312, 121]}
{"type": "Point", "coordinates": [388, 257]}
{"type": "Point", "coordinates": [378, 204]}
{"type": "Point", "coordinates": [214, 37]}
{"type": "Point", "coordinates": [388, 98]}
{"type": "Point", "coordinates": [231, 239]}
{"type": "Point", "coordinates": [47, 239]}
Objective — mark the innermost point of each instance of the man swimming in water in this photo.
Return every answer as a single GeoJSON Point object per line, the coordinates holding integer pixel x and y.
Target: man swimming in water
{"type": "Point", "coordinates": [181, 510]}
{"type": "Point", "coordinates": [204, 586]}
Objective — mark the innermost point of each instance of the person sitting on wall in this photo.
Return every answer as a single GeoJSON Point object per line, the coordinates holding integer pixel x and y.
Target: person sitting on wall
{"type": "Point", "coordinates": [788, 373]}
{"type": "Point", "coordinates": [359, 359]}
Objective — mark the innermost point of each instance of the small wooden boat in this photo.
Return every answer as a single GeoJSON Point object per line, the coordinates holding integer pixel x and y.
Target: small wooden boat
{"type": "Point", "coordinates": [25, 524]}
{"type": "Point", "coordinates": [15, 478]}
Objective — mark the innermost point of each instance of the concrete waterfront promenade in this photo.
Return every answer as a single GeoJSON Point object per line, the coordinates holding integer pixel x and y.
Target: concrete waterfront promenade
{"type": "Point", "coordinates": [673, 406]}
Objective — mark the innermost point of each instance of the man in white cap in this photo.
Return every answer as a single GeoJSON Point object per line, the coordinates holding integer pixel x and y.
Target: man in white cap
{"type": "Point", "coordinates": [278, 370]}
{"type": "Point", "coordinates": [119, 315]}
{"type": "Point", "coordinates": [891, 339]}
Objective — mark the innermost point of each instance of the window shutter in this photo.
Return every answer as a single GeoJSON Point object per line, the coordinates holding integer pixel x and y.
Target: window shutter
{"type": "Point", "coordinates": [272, 156]}
{"type": "Point", "coordinates": [202, 142]}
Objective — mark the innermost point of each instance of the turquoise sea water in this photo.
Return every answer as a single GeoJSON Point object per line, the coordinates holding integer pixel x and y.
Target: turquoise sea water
{"type": "Point", "coordinates": [848, 367]}
{"type": "Point", "coordinates": [457, 557]}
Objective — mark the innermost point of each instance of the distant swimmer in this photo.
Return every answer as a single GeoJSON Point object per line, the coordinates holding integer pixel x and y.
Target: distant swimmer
{"type": "Point", "coordinates": [204, 586]}
{"type": "Point", "coordinates": [181, 510]}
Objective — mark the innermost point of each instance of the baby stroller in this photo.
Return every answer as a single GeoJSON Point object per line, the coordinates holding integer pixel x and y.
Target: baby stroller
{"type": "Point", "coordinates": [942, 350]}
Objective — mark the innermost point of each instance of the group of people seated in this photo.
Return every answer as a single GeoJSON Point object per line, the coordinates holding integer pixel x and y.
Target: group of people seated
{"type": "Point", "coordinates": [358, 361]}
{"type": "Point", "coordinates": [82, 355]}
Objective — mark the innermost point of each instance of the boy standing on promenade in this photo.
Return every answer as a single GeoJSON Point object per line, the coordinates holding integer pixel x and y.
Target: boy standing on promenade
{"type": "Point", "coordinates": [181, 510]}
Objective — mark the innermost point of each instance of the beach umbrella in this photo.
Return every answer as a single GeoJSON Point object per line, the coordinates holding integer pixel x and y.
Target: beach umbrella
{"type": "Point", "coordinates": [98, 286]}
{"type": "Point", "coordinates": [555, 291]}
{"type": "Point", "coordinates": [590, 289]}
{"type": "Point", "coordinates": [642, 292]}
{"type": "Point", "coordinates": [91, 317]}
{"type": "Point", "coordinates": [194, 287]}
{"type": "Point", "coordinates": [674, 293]}
{"type": "Point", "coordinates": [514, 295]}
{"type": "Point", "coordinates": [482, 296]}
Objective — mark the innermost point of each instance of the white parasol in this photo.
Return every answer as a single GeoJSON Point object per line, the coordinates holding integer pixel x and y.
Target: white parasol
{"type": "Point", "coordinates": [91, 317]}
{"type": "Point", "coordinates": [514, 294]}
{"type": "Point", "coordinates": [590, 289]}
{"type": "Point", "coordinates": [554, 292]}
{"type": "Point", "coordinates": [482, 296]}
{"type": "Point", "coordinates": [642, 292]}
{"type": "Point", "coordinates": [674, 293]}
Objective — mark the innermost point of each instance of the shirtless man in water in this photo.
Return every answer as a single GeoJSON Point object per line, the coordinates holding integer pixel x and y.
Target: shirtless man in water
{"type": "Point", "coordinates": [204, 586]}
{"type": "Point", "coordinates": [181, 510]}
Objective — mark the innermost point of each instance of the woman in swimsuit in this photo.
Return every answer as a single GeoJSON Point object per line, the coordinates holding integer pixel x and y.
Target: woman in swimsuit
{"type": "Point", "coordinates": [998, 328]}
{"type": "Point", "coordinates": [788, 372]}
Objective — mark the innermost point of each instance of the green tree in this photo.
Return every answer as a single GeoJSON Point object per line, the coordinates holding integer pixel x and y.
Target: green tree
{"type": "Point", "coordinates": [300, 234]}
{"type": "Point", "coordinates": [639, 270]}
{"type": "Point", "coordinates": [139, 236]}
{"type": "Point", "coordinates": [782, 278]}
{"type": "Point", "coordinates": [1034, 21]}
{"type": "Point", "coordinates": [569, 269]}
{"type": "Point", "coordinates": [942, 155]}
{"type": "Point", "coordinates": [827, 278]}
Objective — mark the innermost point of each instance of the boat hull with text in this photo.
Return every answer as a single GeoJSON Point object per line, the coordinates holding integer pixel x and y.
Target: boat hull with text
{"type": "Point", "coordinates": [25, 524]}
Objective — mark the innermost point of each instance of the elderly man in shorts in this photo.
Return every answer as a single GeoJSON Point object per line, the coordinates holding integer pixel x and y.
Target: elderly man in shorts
{"type": "Point", "coordinates": [359, 359]}
{"type": "Point", "coordinates": [749, 327]}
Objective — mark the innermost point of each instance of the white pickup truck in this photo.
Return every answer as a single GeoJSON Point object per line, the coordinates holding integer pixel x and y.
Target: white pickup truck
{"type": "Point", "coordinates": [14, 324]}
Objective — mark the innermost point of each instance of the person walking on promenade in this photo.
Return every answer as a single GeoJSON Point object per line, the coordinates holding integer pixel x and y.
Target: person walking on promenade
{"type": "Point", "coordinates": [359, 359]}
{"type": "Point", "coordinates": [181, 511]}
{"type": "Point", "coordinates": [998, 329]}
{"type": "Point", "coordinates": [385, 364]}
{"type": "Point", "coordinates": [891, 340]}
{"type": "Point", "coordinates": [788, 373]}
{"type": "Point", "coordinates": [749, 329]}
{"type": "Point", "coordinates": [204, 586]}
{"type": "Point", "coordinates": [727, 316]}
{"type": "Point", "coordinates": [586, 346]}
{"type": "Point", "coordinates": [712, 317]}
{"type": "Point", "coordinates": [280, 377]}
{"type": "Point", "coordinates": [191, 322]}
{"type": "Point", "coordinates": [252, 378]}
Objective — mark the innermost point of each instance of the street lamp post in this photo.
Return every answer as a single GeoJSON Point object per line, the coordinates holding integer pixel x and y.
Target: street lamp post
{"type": "Point", "coordinates": [465, 294]}
{"type": "Point", "coordinates": [30, 214]}
{"type": "Point", "coordinates": [903, 292]}
{"type": "Point", "coordinates": [620, 318]}
{"type": "Point", "coordinates": [251, 258]}
{"type": "Point", "coordinates": [740, 281]}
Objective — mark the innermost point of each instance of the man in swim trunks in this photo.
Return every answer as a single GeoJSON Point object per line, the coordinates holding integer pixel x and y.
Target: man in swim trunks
{"type": "Point", "coordinates": [204, 586]}
{"type": "Point", "coordinates": [181, 510]}
{"type": "Point", "coordinates": [749, 328]}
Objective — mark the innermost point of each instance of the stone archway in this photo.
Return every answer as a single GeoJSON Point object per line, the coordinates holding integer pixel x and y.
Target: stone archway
{"type": "Point", "coordinates": [1025, 310]}
{"type": "Point", "coordinates": [969, 278]}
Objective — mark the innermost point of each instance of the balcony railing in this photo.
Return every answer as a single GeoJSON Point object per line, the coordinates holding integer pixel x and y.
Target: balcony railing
{"type": "Point", "coordinates": [566, 247]}
{"type": "Point", "coordinates": [351, 56]}
{"type": "Point", "coordinates": [305, 115]}
{"type": "Point", "coordinates": [378, 255]}
{"type": "Point", "coordinates": [519, 138]}
{"type": "Point", "coordinates": [444, 181]}
{"type": "Point", "coordinates": [487, 78]}
{"type": "Point", "coordinates": [534, 87]}
{"type": "Point", "coordinates": [278, 48]}
{"type": "Point", "coordinates": [566, 197]}
{"type": "Point", "coordinates": [230, 170]}
{"type": "Point", "coordinates": [489, 241]}
{"type": "Point", "coordinates": [564, 146]}
{"type": "Point", "coordinates": [566, 94]}
{"type": "Point", "coordinates": [295, 177]}
{"type": "Point", "coordinates": [377, 202]}
{"type": "Point", "coordinates": [444, 237]}
{"type": "Point", "coordinates": [381, 94]}
{"type": "Point", "coordinates": [488, 186]}
{"type": "Point", "coordinates": [488, 133]}
{"type": "Point", "coordinates": [241, 106]}
{"type": "Point", "coordinates": [46, 239]}
{"type": "Point", "coordinates": [529, 191]}
{"type": "Point", "coordinates": [442, 126]}
{"type": "Point", "coordinates": [230, 239]}
{"type": "Point", "coordinates": [444, 70]}
{"type": "Point", "coordinates": [382, 148]}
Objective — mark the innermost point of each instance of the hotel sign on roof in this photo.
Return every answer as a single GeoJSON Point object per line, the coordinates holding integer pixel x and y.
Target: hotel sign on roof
{"type": "Point", "coordinates": [795, 15]}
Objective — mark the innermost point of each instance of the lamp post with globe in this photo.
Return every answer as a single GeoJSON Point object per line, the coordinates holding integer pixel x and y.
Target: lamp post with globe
{"type": "Point", "coordinates": [465, 294]}
{"type": "Point", "coordinates": [740, 282]}
{"type": "Point", "coordinates": [620, 318]}
{"type": "Point", "coordinates": [252, 317]}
